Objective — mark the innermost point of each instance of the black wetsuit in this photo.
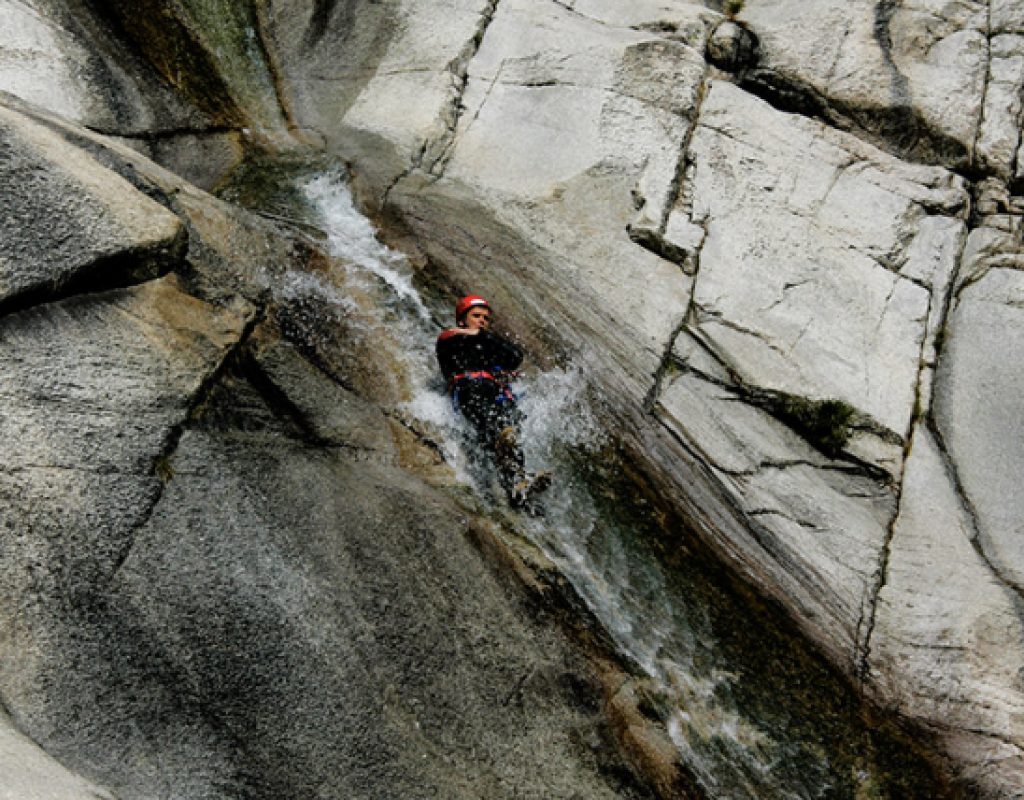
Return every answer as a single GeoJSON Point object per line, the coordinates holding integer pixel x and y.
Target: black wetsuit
{"type": "Point", "coordinates": [477, 368]}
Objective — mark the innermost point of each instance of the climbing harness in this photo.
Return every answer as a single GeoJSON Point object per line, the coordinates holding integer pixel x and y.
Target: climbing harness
{"type": "Point", "coordinates": [505, 395]}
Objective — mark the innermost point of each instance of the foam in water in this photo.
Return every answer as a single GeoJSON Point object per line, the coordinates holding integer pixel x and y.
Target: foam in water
{"type": "Point", "coordinates": [351, 236]}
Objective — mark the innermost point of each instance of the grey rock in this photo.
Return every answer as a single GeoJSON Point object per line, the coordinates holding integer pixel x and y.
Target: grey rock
{"type": "Point", "coordinates": [821, 527]}
{"type": "Point", "coordinates": [824, 266]}
{"type": "Point", "coordinates": [732, 47]}
{"type": "Point", "coordinates": [231, 613]}
{"type": "Point", "coordinates": [912, 76]}
{"type": "Point", "coordinates": [65, 57]}
{"type": "Point", "coordinates": [329, 412]}
{"type": "Point", "coordinates": [943, 611]}
{"type": "Point", "coordinates": [32, 774]}
{"type": "Point", "coordinates": [67, 217]}
{"type": "Point", "coordinates": [93, 391]}
{"type": "Point", "coordinates": [293, 620]}
{"type": "Point", "coordinates": [376, 81]}
{"type": "Point", "coordinates": [977, 404]}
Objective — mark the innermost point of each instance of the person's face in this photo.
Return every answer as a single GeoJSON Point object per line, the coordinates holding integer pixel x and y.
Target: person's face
{"type": "Point", "coordinates": [478, 318]}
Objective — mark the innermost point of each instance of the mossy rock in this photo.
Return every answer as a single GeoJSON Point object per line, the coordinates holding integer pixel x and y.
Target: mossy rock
{"type": "Point", "coordinates": [826, 424]}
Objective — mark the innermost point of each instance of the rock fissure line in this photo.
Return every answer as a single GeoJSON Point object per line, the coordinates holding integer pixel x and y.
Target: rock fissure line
{"type": "Point", "coordinates": [274, 70]}
{"type": "Point", "coordinates": [679, 177]}
{"type": "Point", "coordinates": [548, 83]}
{"type": "Point", "coordinates": [414, 164]}
{"type": "Point", "coordinates": [164, 134]}
{"type": "Point", "coordinates": [774, 512]}
{"type": "Point", "coordinates": [922, 406]}
{"type": "Point", "coordinates": [476, 114]}
{"type": "Point", "coordinates": [651, 398]}
{"type": "Point", "coordinates": [122, 270]}
{"type": "Point", "coordinates": [986, 82]}
{"type": "Point", "coordinates": [162, 459]}
{"type": "Point", "coordinates": [421, 437]}
{"type": "Point", "coordinates": [459, 69]}
{"type": "Point", "coordinates": [867, 619]}
{"type": "Point", "coordinates": [570, 7]}
{"type": "Point", "coordinates": [967, 506]}
{"type": "Point", "coordinates": [282, 405]}
{"type": "Point", "coordinates": [766, 465]}
{"type": "Point", "coordinates": [718, 318]}
{"type": "Point", "coordinates": [674, 190]}
{"type": "Point", "coordinates": [839, 52]}
{"type": "Point", "coordinates": [303, 228]}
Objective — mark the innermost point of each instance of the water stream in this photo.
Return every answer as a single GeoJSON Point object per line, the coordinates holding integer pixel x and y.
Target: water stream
{"type": "Point", "coordinates": [752, 712]}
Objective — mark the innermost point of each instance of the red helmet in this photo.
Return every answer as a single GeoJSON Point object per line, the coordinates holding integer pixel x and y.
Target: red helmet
{"type": "Point", "coordinates": [468, 302]}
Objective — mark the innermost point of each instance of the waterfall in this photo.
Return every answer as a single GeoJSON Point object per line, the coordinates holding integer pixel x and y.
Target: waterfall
{"type": "Point", "coordinates": [724, 685]}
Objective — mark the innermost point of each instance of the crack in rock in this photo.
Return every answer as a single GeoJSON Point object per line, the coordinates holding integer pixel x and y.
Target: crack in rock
{"type": "Point", "coordinates": [438, 152]}
{"type": "Point", "coordinates": [977, 534]}
{"type": "Point", "coordinates": [161, 462]}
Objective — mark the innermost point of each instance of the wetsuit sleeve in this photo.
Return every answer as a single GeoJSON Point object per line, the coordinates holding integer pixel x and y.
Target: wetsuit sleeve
{"type": "Point", "coordinates": [447, 350]}
{"type": "Point", "coordinates": [502, 352]}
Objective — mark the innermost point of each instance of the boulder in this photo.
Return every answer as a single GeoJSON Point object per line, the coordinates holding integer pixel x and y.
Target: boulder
{"type": "Point", "coordinates": [68, 219]}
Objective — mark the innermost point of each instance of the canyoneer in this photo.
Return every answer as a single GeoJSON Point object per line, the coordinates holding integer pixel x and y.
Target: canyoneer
{"type": "Point", "coordinates": [478, 366]}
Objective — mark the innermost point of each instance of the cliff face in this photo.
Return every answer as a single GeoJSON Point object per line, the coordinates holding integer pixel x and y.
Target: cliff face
{"type": "Point", "coordinates": [784, 251]}
{"type": "Point", "coordinates": [792, 275]}
{"type": "Point", "coordinates": [230, 569]}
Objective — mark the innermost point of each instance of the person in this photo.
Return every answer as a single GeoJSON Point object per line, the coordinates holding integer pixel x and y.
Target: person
{"type": "Point", "coordinates": [478, 366]}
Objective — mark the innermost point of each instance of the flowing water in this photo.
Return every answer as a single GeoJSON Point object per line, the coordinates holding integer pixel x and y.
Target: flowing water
{"type": "Point", "coordinates": [752, 712]}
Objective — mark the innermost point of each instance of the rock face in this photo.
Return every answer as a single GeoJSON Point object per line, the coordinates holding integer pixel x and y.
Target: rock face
{"type": "Point", "coordinates": [332, 629]}
{"type": "Point", "coordinates": [784, 249]}
{"type": "Point", "coordinates": [69, 219]}
{"type": "Point", "coordinates": [31, 774]}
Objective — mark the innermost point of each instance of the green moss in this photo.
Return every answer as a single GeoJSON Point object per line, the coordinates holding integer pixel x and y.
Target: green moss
{"type": "Point", "coordinates": [209, 50]}
{"type": "Point", "coordinates": [825, 424]}
{"type": "Point", "coordinates": [163, 469]}
{"type": "Point", "coordinates": [229, 32]}
{"type": "Point", "coordinates": [158, 33]}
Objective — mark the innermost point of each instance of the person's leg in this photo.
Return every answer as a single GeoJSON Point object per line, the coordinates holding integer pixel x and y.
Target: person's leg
{"type": "Point", "coordinates": [508, 453]}
{"type": "Point", "coordinates": [476, 402]}
{"type": "Point", "coordinates": [496, 424]}
{"type": "Point", "coordinates": [496, 420]}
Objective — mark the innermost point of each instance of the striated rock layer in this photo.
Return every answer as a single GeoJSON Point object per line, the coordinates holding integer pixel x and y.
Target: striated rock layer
{"type": "Point", "coordinates": [793, 287]}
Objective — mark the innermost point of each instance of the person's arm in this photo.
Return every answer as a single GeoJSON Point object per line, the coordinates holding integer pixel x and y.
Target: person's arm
{"type": "Point", "coordinates": [504, 353]}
